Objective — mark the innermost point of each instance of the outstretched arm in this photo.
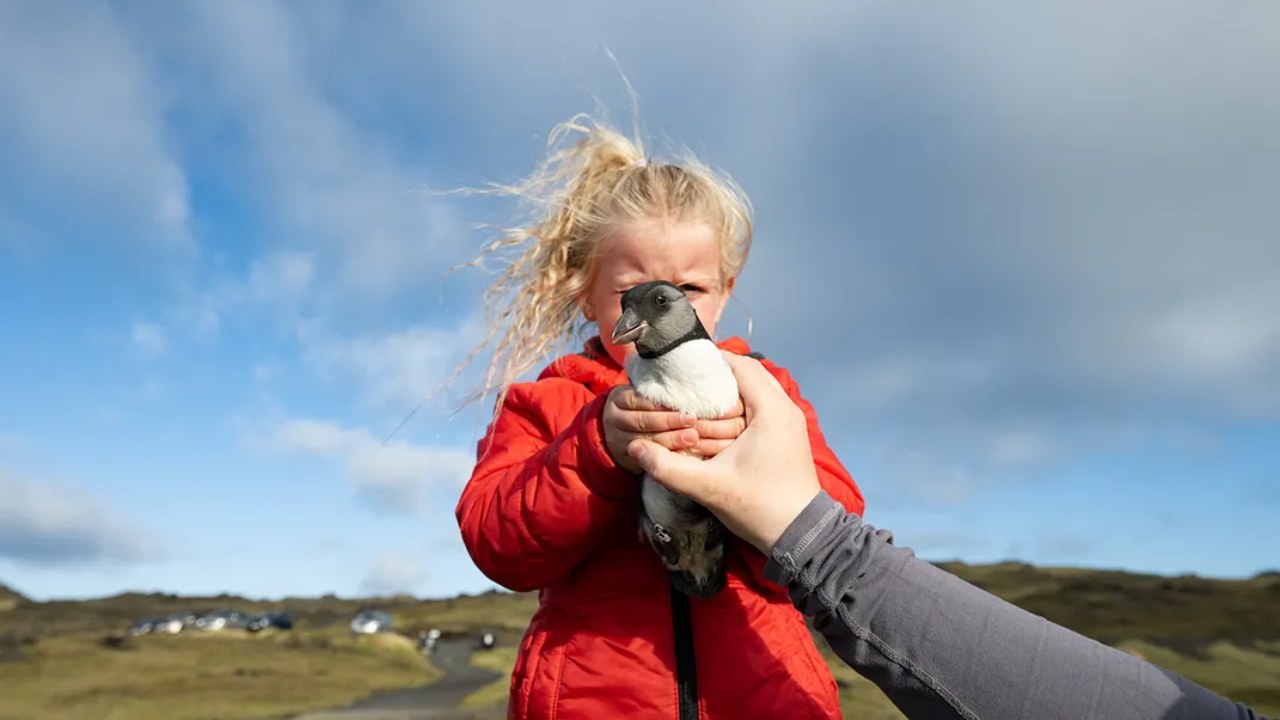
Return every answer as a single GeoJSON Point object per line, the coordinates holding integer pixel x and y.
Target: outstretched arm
{"type": "Point", "coordinates": [937, 646]}
{"type": "Point", "coordinates": [942, 648]}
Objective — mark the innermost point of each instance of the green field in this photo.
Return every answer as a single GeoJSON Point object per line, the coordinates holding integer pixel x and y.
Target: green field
{"type": "Point", "coordinates": [55, 661]}
{"type": "Point", "coordinates": [219, 675]}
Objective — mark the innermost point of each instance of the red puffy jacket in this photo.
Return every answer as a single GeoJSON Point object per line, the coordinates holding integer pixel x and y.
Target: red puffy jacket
{"type": "Point", "coordinates": [546, 508]}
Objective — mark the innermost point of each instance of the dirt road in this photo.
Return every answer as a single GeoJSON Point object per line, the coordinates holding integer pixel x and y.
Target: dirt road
{"type": "Point", "coordinates": [437, 701]}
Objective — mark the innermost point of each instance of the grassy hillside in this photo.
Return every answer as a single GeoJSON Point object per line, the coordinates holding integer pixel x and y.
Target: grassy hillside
{"type": "Point", "coordinates": [1112, 606]}
{"type": "Point", "coordinates": [1224, 634]}
{"type": "Point", "coordinates": [70, 660]}
{"type": "Point", "coordinates": [227, 675]}
{"type": "Point", "coordinates": [9, 598]}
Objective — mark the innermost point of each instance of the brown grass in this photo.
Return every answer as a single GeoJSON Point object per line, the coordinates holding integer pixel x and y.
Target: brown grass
{"type": "Point", "coordinates": [501, 660]}
{"type": "Point", "coordinates": [194, 676]}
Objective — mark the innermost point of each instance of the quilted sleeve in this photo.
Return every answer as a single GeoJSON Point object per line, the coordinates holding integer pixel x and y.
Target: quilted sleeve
{"type": "Point", "coordinates": [541, 497]}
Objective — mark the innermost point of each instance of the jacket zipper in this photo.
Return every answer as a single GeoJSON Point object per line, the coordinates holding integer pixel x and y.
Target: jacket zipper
{"type": "Point", "coordinates": [686, 668]}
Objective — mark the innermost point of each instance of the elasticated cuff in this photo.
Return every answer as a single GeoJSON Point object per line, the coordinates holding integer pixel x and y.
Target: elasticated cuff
{"type": "Point", "coordinates": [599, 471]}
{"type": "Point", "coordinates": [795, 546]}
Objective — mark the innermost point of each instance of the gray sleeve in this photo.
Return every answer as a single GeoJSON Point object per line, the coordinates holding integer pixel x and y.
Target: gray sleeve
{"type": "Point", "coordinates": [941, 648]}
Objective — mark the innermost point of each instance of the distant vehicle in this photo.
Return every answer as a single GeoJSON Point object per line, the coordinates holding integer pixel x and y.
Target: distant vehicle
{"type": "Point", "coordinates": [222, 620]}
{"type": "Point", "coordinates": [369, 622]}
{"type": "Point", "coordinates": [171, 625]}
{"type": "Point", "coordinates": [144, 626]}
{"type": "Point", "coordinates": [277, 620]}
{"type": "Point", "coordinates": [428, 640]}
{"type": "Point", "coordinates": [487, 641]}
{"type": "Point", "coordinates": [212, 621]}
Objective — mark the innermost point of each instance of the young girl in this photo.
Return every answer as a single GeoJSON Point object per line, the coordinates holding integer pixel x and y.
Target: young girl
{"type": "Point", "coordinates": [553, 502]}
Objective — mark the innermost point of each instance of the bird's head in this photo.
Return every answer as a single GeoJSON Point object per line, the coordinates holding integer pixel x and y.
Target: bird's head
{"type": "Point", "coordinates": [657, 317]}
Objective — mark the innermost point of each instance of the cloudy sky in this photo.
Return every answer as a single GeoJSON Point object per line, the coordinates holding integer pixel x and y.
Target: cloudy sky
{"type": "Point", "coordinates": [1025, 262]}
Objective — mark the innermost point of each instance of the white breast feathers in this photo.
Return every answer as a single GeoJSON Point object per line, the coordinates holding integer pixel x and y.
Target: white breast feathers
{"type": "Point", "coordinates": [692, 378]}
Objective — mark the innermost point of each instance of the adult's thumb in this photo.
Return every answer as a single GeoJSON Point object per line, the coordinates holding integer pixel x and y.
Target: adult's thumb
{"type": "Point", "coordinates": [679, 472]}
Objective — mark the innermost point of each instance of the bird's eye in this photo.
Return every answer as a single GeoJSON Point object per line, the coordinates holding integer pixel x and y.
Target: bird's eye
{"type": "Point", "coordinates": [661, 300]}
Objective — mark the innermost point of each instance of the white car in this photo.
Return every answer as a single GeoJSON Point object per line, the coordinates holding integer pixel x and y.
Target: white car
{"type": "Point", "coordinates": [171, 625]}
{"type": "Point", "coordinates": [370, 622]}
{"type": "Point", "coordinates": [222, 620]}
{"type": "Point", "coordinates": [212, 622]}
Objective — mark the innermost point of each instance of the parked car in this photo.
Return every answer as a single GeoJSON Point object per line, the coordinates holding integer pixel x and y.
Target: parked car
{"type": "Point", "coordinates": [222, 620]}
{"type": "Point", "coordinates": [171, 625]}
{"type": "Point", "coordinates": [368, 622]}
{"type": "Point", "coordinates": [277, 620]}
{"type": "Point", "coordinates": [144, 626]}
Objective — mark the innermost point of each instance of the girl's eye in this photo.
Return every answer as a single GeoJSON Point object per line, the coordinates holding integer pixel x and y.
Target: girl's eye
{"type": "Point", "coordinates": [690, 289]}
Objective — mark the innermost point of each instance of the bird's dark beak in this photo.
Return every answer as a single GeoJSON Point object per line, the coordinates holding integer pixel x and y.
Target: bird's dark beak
{"type": "Point", "coordinates": [629, 328]}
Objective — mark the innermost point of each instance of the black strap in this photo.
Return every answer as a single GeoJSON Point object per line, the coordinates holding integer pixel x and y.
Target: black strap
{"type": "Point", "coordinates": [686, 669]}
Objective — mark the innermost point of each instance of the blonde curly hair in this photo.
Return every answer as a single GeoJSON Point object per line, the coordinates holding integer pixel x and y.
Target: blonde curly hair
{"type": "Point", "coordinates": [592, 180]}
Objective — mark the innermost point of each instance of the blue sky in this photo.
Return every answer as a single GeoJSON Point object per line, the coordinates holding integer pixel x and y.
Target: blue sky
{"type": "Point", "coordinates": [1025, 262]}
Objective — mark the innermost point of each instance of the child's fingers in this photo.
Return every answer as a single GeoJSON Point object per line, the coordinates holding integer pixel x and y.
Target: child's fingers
{"type": "Point", "coordinates": [629, 400]}
{"type": "Point", "coordinates": [675, 439]}
{"type": "Point", "coordinates": [710, 448]}
{"type": "Point", "coordinates": [726, 429]}
{"type": "Point", "coordinates": [653, 421]}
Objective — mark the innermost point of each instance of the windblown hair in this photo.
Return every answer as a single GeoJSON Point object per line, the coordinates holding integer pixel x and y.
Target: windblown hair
{"type": "Point", "coordinates": [592, 181]}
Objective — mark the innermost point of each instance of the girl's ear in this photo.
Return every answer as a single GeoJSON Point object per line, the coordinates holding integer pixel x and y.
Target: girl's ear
{"type": "Point", "coordinates": [586, 308]}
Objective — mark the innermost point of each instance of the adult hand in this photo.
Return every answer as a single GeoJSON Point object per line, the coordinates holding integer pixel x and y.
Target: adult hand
{"type": "Point", "coordinates": [761, 481]}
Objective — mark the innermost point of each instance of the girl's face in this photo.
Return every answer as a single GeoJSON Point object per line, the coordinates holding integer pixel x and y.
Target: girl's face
{"type": "Point", "coordinates": [685, 254]}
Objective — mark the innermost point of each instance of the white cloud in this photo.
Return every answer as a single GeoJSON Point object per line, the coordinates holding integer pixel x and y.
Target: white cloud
{"type": "Point", "coordinates": [399, 368]}
{"type": "Point", "coordinates": [393, 572]}
{"type": "Point", "coordinates": [84, 128]}
{"type": "Point", "coordinates": [148, 339]}
{"type": "Point", "coordinates": [43, 523]}
{"type": "Point", "coordinates": [394, 477]}
{"type": "Point", "coordinates": [332, 187]}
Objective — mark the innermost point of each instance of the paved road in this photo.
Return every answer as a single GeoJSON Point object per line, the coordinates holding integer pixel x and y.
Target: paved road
{"type": "Point", "coordinates": [437, 701]}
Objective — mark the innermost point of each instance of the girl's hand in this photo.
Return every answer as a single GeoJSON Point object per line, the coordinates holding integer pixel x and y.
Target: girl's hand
{"type": "Point", "coordinates": [629, 417]}
{"type": "Point", "coordinates": [715, 435]}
